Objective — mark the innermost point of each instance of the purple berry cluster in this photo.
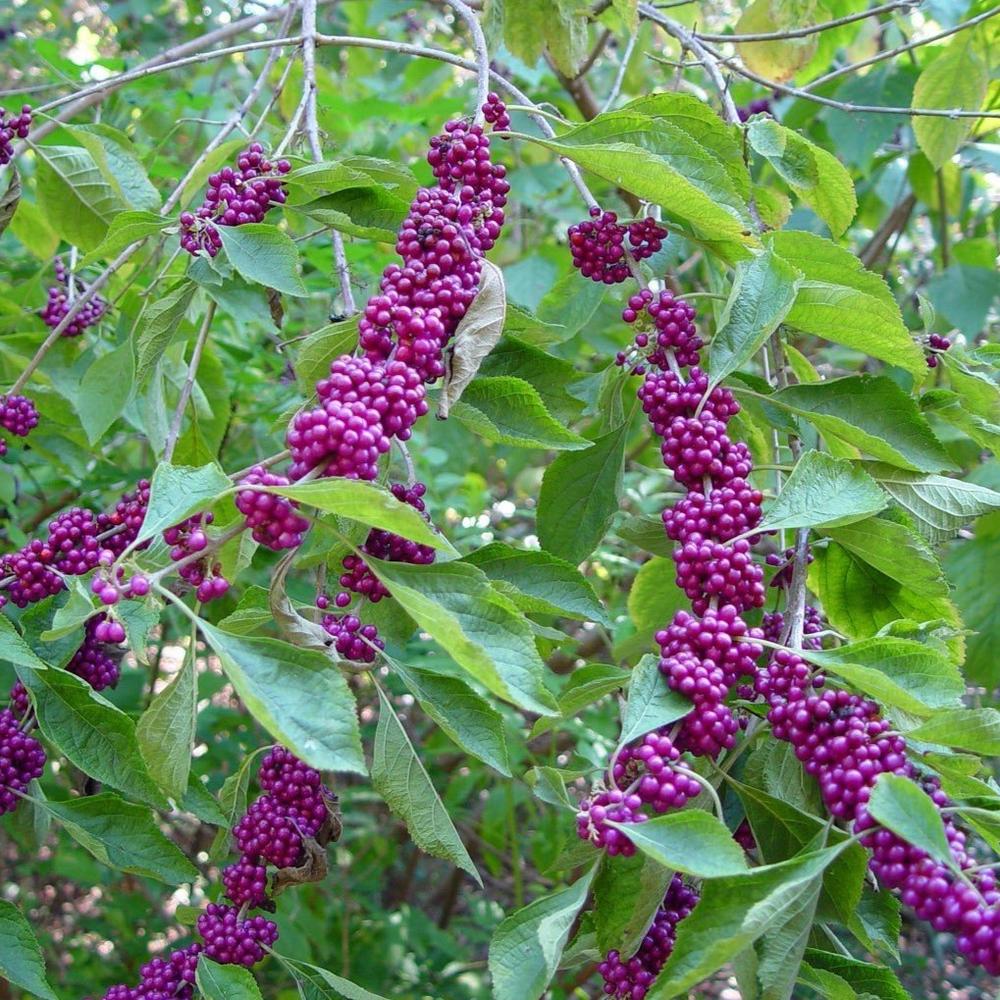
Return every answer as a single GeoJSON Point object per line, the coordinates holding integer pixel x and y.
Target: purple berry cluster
{"type": "Point", "coordinates": [357, 578]}
{"type": "Point", "coordinates": [120, 527]}
{"type": "Point", "coordinates": [185, 540]}
{"type": "Point", "coordinates": [630, 979]}
{"type": "Point", "coordinates": [13, 127]}
{"type": "Point", "coordinates": [441, 243]}
{"type": "Point", "coordinates": [22, 759]}
{"type": "Point", "coordinates": [363, 405]}
{"type": "Point", "coordinates": [599, 245]}
{"type": "Point", "coordinates": [18, 416]}
{"type": "Point", "coordinates": [353, 640]}
{"type": "Point", "coordinates": [774, 622]}
{"type": "Point", "coordinates": [235, 196]}
{"type": "Point", "coordinates": [495, 112]}
{"type": "Point", "coordinates": [937, 345]}
{"type": "Point", "coordinates": [271, 519]}
{"type": "Point", "coordinates": [60, 301]}
{"type": "Point", "coordinates": [760, 106]}
{"type": "Point", "coordinates": [665, 326]}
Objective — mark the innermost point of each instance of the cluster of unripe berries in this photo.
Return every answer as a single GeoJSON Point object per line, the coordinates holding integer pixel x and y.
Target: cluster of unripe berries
{"type": "Point", "coordinates": [600, 245]}
{"type": "Point", "coordinates": [60, 301]}
{"type": "Point", "coordinates": [235, 196]}
{"type": "Point", "coordinates": [630, 979]}
{"type": "Point", "coordinates": [18, 416]}
{"type": "Point", "coordinates": [13, 127]}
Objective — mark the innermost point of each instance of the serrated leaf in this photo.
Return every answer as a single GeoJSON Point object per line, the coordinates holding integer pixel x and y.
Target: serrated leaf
{"type": "Point", "coordinates": [157, 325]}
{"type": "Point", "coordinates": [475, 336]}
{"type": "Point", "coordinates": [15, 650]}
{"type": "Point", "coordinates": [689, 841]}
{"type": "Point", "coordinates": [976, 730]}
{"type": "Point", "coordinates": [225, 982]}
{"type": "Point", "coordinates": [761, 296]}
{"type": "Point", "coordinates": [263, 255]}
{"type": "Point", "coordinates": [823, 491]}
{"type": "Point", "coordinates": [116, 159]}
{"type": "Point", "coordinates": [298, 695]}
{"type": "Point", "coordinates": [399, 777]}
{"type": "Point", "coordinates": [93, 734]}
{"type": "Point", "coordinates": [545, 584]}
{"type": "Point", "coordinates": [323, 983]}
{"type": "Point", "coordinates": [371, 213]}
{"type": "Point", "coordinates": [105, 390]}
{"type": "Point", "coordinates": [868, 980]}
{"type": "Point", "coordinates": [21, 961]}
{"type": "Point", "coordinates": [367, 503]}
{"type": "Point", "coordinates": [579, 496]}
{"type": "Point", "coordinates": [939, 505]}
{"type": "Point", "coordinates": [651, 703]}
{"type": "Point", "coordinates": [956, 80]}
{"type": "Point", "coordinates": [815, 175]}
{"type": "Point", "coordinates": [176, 492]}
{"type": "Point", "coordinates": [320, 348]}
{"type": "Point", "coordinates": [166, 729]}
{"type": "Point", "coordinates": [841, 301]}
{"type": "Point", "coordinates": [627, 893]}
{"type": "Point", "coordinates": [527, 946]}
{"type": "Point", "coordinates": [903, 807]}
{"type": "Point", "coordinates": [456, 605]}
{"type": "Point", "coordinates": [74, 195]}
{"type": "Point", "coordinates": [126, 228]}
{"type": "Point", "coordinates": [871, 413]}
{"type": "Point", "coordinates": [508, 410]}
{"type": "Point", "coordinates": [10, 199]}
{"type": "Point", "coordinates": [123, 836]}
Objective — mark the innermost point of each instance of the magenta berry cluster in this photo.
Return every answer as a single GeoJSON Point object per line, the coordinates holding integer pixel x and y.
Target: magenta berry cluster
{"type": "Point", "coordinates": [599, 245]}
{"type": "Point", "coordinates": [60, 300]}
{"type": "Point", "coordinates": [234, 941]}
{"type": "Point", "coordinates": [664, 327]}
{"type": "Point", "coordinates": [120, 527]}
{"type": "Point", "coordinates": [271, 518]}
{"type": "Point", "coordinates": [495, 112]}
{"type": "Point", "coordinates": [358, 578]}
{"type": "Point", "coordinates": [22, 759]}
{"type": "Point", "coordinates": [937, 345]}
{"type": "Point", "coordinates": [13, 127]}
{"type": "Point", "coordinates": [760, 106]}
{"type": "Point", "coordinates": [18, 416]}
{"type": "Point", "coordinates": [187, 539]}
{"type": "Point", "coordinates": [351, 639]}
{"type": "Point", "coordinates": [773, 625]}
{"type": "Point", "coordinates": [92, 662]}
{"type": "Point", "coordinates": [630, 979]}
{"type": "Point", "coordinates": [235, 196]}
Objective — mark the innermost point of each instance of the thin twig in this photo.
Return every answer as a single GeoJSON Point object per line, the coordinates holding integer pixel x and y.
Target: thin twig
{"type": "Point", "coordinates": [482, 54]}
{"type": "Point", "coordinates": [192, 374]}
{"type": "Point", "coordinates": [620, 75]}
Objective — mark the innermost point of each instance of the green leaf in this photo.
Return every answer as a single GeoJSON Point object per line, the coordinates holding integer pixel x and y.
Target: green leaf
{"type": "Point", "coordinates": [627, 893]}
{"type": "Point", "coordinates": [645, 531]}
{"type": "Point", "coordinates": [956, 80]}
{"type": "Point", "coordinates": [123, 836]}
{"type": "Point", "coordinates": [544, 583]}
{"type": "Point", "coordinates": [900, 673]}
{"type": "Point", "coordinates": [97, 737]}
{"type": "Point", "coordinates": [126, 228]}
{"type": "Point", "coordinates": [589, 684]}
{"type": "Point", "coordinates": [368, 504]}
{"type": "Point", "coordinates": [780, 951]}
{"type": "Point", "coordinates": [312, 362]}
{"type": "Point", "coordinates": [105, 390]}
{"type": "Point", "coordinates": [859, 600]}
{"type": "Point", "coordinates": [869, 980]}
{"type": "Point", "coordinates": [579, 496]}
{"type": "Point", "coordinates": [779, 58]}
{"type": "Point", "coordinates": [298, 695]}
{"type": "Point", "coordinates": [689, 841]}
{"type": "Point", "coordinates": [465, 716]}
{"type": "Point", "coordinates": [815, 175]}
{"type": "Point", "coordinates": [32, 227]}
{"type": "Point", "coordinates": [873, 414]}
{"type": "Point", "coordinates": [456, 605]}
{"type": "Point", "coordinates": [965, 294]}
{"type": "Point", "coordinates": [762, 293]}
{"type": "Point", "coordinates": [233, 802]}
{"type": "Point", "coordinates": [939, 505]}
{"type": "Point", "coordinates": [823, 492]}
{"type": "Point", "coordinates": [651, 703]}
{"type": "Point", "coordinates": [660, 163]}
{"type": "Point", "coordinates": [21, 962]}
{"type": "Point", "coordinates": [158, 322]}
{"type": "Point", "coordinates": [876, 922]}
{"type": "Point", "coordinates": [399, 777]}
{"type": "Point", "coordinates": [319, 979]}
{"type": "Point", "coordinates": [264, 255]}
{"type": "Point", "coordinates": [841, 301]}
{"type": "Point", "coordinates": [225, 982]}
{"type": "Point", "coordinates": [177, 491]}
{"type": "Point", "coordinates": [115, 157]}
{"type": "Point", "coordinates": [974, 729]}
{"type": "Point", "coordinates": [371, 213]}
{"type": "Point", "coordinates": [527, 946]}
{"type": "Point", "coordinates": [902, 806]}
{"type": "Point", "coordinates": [14, 650]}
{"type": "Point", "coordinates": [509, 410]}
{"type": "Point", "coordinates": [75, 197]}
{"type": "Point", "coordinates": [166, 732]}
{"type": "Point", "coordinates": [895, 551]}
{"type": "Point", "coordinates": [735, 911]}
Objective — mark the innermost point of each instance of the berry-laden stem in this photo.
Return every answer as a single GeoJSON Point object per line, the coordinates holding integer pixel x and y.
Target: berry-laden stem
{"type": "Point", "coordinates": [188, 386]}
